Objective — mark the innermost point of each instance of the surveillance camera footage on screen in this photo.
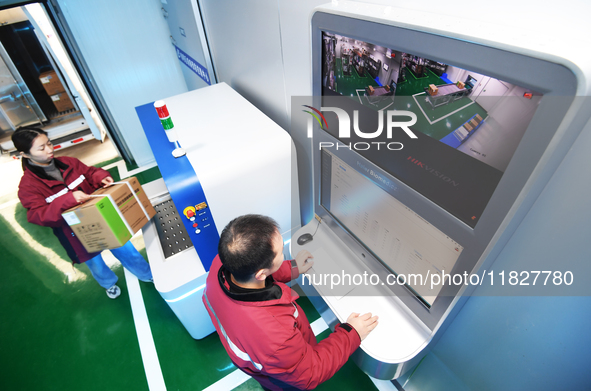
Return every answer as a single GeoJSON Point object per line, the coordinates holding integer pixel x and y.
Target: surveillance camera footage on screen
{"type": "Point", "coordinates": [463, 127]}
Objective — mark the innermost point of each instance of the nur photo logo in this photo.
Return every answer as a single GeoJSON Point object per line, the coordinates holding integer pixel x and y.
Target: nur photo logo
{"type": "Point", "coordinates": [344, 127]}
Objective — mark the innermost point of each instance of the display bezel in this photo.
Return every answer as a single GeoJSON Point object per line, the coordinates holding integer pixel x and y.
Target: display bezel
{"type": "Point", "coordinates": [520, 175]}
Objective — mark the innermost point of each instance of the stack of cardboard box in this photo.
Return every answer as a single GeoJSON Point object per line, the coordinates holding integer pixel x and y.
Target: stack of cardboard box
{"type": "Point", "coordinates": [473, 123]}
{"type": "Point", "coordinates": [56, 91]}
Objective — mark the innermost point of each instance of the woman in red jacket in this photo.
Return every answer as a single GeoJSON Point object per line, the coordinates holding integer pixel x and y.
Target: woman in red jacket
{"type": "Point", "coordinates": [50, 186]}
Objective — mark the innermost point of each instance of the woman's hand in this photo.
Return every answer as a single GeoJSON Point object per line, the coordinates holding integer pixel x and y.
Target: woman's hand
{"type": "Point", "coordinates": [108, 181]}
{"type": "Point", "coordinates": [80, 196]}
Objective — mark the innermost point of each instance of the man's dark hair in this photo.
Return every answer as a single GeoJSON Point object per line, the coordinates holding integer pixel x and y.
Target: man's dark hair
{"type": "Point", "coordinates": [246, 245]}
{"type": "Point", "coordinates": [23, 138]}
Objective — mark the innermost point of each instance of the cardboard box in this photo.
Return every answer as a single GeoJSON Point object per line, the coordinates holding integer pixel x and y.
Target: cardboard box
{"type": "Point", "coordinates": [433, 90]}
{"type": "Point", "coordinates": [111, 217]}
{"type": "Point", "coordinates": [370, 90]}
{"type": "Point", "coordinates": [62, 102]}
{"type": "Point", "coordinates": [51, 82]}
{"type": "Point", "coordinates": [460, 84]}
{"type": "Point", "coordinates": [141, 195]}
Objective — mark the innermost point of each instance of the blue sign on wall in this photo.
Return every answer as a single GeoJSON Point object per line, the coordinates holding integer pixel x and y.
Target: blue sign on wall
{"type": "Point", "coordinates": [193, 65]}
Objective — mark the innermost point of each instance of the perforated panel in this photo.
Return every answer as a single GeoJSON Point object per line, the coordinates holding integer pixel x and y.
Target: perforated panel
{"type": "Point", "coordinates": [171, 231]}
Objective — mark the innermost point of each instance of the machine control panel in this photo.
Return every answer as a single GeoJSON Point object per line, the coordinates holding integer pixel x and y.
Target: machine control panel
{"type": "Point", "coordinates": [198, 215]}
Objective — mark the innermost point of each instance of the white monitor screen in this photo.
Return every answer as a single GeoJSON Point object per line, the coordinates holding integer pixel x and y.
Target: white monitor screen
{"type": "Point", "coordinates": [403, 241]}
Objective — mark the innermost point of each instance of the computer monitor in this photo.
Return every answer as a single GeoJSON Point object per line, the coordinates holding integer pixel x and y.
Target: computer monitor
{"type": "Point", "coordinates": [466, 134]}
{"type": "Point", "coordinates": [475, 149]}
{"type": "Point", "coordinates": [404, 242]}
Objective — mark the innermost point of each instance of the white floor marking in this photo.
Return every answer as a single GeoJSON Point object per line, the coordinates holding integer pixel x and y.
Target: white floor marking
{"type": "Point", "coordinates": [229, 382]}
{"type": "Point", "coordinates": [318, 326]}
{"type": "Point", "coordinates": [358, 96]}
{"type": "Point", "coordinates": [420, 108]}
{"type": "Point", "coordinates": [455, 111]}
{"type": "Point", "coordinates": [123, 173]}
{"type": "Point", "coordinates": [238, 377]}
{"type": "Point", "coordinates": [8, 211]}
{"type": "Point", "coordinates": [360, 101]}
{"type": "Point", "coordinates": [388, 106]}
{"type": "Point", "coordinates": [9, 203]}
{"type": "Point", "coordinates": [144, 335]}
{"type": "Point", "coordinates": [116, 164]}
{"type": "Point", "coordinates": [439, 119]}
{"type": "Point", "coordinates": [383, 385]}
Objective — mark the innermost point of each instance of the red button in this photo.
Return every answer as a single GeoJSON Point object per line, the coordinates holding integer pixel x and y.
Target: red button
{"type": "Point", "coordinates": [190, 214]}
{"type": "Point", "coordinates": [195, 225]}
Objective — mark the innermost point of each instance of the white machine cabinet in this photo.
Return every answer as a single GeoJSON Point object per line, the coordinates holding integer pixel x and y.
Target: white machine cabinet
{"type": "Point", "coordinates": [242, 162]}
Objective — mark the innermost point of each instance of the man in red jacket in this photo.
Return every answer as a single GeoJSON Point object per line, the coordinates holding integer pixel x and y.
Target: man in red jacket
{"type": "Point", "coordinates": [263, 329]}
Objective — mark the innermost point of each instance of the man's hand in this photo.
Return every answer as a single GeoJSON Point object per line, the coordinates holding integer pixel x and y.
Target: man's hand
{"type": "Point", "coordinates": [363, 324]}
{"type": "Point", "coordinates": [303, 261]}
{"type": "Point", "coordinates": [108, 181]}
{"type": "Point", "coordinates": [80, 196]}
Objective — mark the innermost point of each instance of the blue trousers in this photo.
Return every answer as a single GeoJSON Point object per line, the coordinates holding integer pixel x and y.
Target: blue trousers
{"type": "Point", "coordinates": [129, 257]}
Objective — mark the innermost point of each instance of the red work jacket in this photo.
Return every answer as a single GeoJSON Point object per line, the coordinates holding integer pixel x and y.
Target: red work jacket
{"type": "Point", "coordinates": [271, 340]}
{"type": "Point", "coordinates": [46, 198]}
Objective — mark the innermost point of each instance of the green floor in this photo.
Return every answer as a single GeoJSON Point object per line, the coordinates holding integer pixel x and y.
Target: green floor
{"type": "Point", "coordinates": [347, 85]}
{"type": "Point", "coordinates": [413, 84]}
{"type": "Point", "coordinates": [443, 121]}
{"type": "Point", "coordinates": [61, 332]}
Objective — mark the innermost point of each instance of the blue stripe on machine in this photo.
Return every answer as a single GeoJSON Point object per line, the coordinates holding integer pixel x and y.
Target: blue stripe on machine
{"type": "Point", "coordinates": [182, 183]}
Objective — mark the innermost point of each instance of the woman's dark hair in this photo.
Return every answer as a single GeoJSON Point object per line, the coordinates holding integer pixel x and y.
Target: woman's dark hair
{"type": "Point", "coordinates": [246, 245]}
{"type": "Point", "coordinates": [23, 138]}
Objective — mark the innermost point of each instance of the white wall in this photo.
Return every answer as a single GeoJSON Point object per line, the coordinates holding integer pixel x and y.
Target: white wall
{"type": "Point", "coordinates": [245, 41]}
{"type": "Point", "coordinates": [527, 343]}
{"type": "Point", "coordinates": [456, 74]}
{"type": "Point", "coordinates": [127, 48]}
